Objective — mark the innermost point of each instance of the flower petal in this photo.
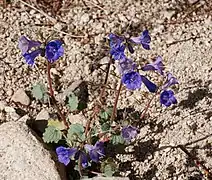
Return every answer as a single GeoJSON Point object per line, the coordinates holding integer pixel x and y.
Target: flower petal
{"type": "Point", "coordinates": [150, 85]}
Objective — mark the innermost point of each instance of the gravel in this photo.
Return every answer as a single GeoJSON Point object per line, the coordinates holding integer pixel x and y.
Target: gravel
{"type": "Point", "coordinates": [181, 33]}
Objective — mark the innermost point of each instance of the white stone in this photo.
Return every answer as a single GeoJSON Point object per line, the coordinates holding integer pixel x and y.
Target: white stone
{"type": "Point", "coordinates": [22, 156]}
{"type": "Point", "coordinates": [43, 115]}
{"type": "Point", "coordinates": [21, 96]}
{"type": "Point", "coordinates": [85, 18]}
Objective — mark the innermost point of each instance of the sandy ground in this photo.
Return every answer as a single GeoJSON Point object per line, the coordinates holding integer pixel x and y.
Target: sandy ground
{"type": "Point", "coordinates": [181, 33]}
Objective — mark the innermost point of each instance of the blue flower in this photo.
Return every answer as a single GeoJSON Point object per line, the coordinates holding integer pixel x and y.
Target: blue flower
{"type": "Point", "coordinates": [25, 44]}
{"type": "Point", "coordinates": [129, 132]}
{"type": "Point", "coordinates": [167, 98]}
{"type": "Point", "coordinates": [144, 39]}
{"type": "Point", "coordinates": [126, 65]}
{"type": "Point", "coordinates": [83, 157]}
{"type": "Point", "coordinates": [132, 80]}
{"type": "Point", "coordinates": [54, 50]}
{"type": "Point", "coordinates": [171, 80]}
{"type": "Point", "coordinates": [64, 154]}
{"type": "Point", "coordinates": [155, 66]}
{"type": "Point", "coordinates": [95, 152]}
{"type": "Point", "coordinates": [117, 46]}
{"type": "Point", "coordinates": [30, 57]}
{"type": "Point", "coordinates": [150, 85]}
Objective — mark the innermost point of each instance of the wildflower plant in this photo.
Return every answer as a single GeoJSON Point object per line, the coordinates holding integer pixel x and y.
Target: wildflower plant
{"type": "Point", "coordinates": [86, 145]}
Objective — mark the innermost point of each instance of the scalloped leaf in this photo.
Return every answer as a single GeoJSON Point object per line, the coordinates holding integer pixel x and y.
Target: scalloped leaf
{"type": "Point", "coordinates": [57, 124]}
{"type": "Point", "coordinates": [38, 91]}
{"type": "Point", "coordinates": [117, 139]}
{"type": "Point", "coordinates": [52, 134]}
{"type": "Point", "coordinates": [75, 132]}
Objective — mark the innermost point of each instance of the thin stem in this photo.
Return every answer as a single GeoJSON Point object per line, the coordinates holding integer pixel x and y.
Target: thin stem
{"type": "Point", "coordinates": [148, 106]}
{"type": "Point", "coordinates": [96, 107]}
{"type": "Point", "coordinates": [198, 163]}
{"type": "Point", "coordinates": [51, 93]}
{"type": "Point", "coordinates": [116, 102]}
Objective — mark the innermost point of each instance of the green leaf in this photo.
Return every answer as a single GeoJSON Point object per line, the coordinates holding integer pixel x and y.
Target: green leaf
{"type": "Point", "coordinates": [104, 115]}
{"type": "Point", "coordinates": [117, 139]}
{"type": "Point", "coordinates": [108, 167]}
{"type": "Point", "coordinates": [76, 133]}
{"type": "Point", "coordinates": [73, 102]}
{"type": "Point", "coordinates": [52, 134]}
{"type": "Point", "coordinates": [105, 127]}
{"type": "Point", "coordinates": [57, 124]}
{"type": "Point", "coordinates": [108, 170]}
{"type": "Point", "coordinates": [38, 91]}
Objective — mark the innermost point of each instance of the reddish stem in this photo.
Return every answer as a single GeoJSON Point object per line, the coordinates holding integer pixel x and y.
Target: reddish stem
{"type": "Point", "coordinates": [51, 93]}
{"type": "Point", "coordinates": [148, 106]}
{"type": "Point", "coordinates": [116, 102]}
{"type": "Point", "coordinates": [96, 107]}
{"type": "Point", "coordinates": [199, 164]}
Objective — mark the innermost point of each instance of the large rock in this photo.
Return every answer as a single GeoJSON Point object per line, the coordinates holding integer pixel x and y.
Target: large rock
{"type": "Point", "coordinates": [22, 156]}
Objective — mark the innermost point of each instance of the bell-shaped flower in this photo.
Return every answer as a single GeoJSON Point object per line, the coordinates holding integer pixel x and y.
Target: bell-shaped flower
{"type": "Point", "coordinates": [132, 80]}
{"type": "Point", "coordinates": [64, 154]}
{"type": "Point", "coordinates": [95, 152]}
{"type": "Point", "coordinates": [54, 50]}
{"type": "Point", "coordinates": [144, 39]}
{"type": "Point", "coordinates": [167, 98]}
{"type": "Point", "coordinates": [30, 57]}
{"type": "Point", "coordinates": [129, 132]}
{"type": "Point", "coordinates": [126, 65]}
{"type": "Point", "coordinates": [26, 44]}
{"type": "Point", "coordinates": [170, 80]}
{"type": "Point", "coordinates": [150, 85]}
{"type": "Point", "coordinates": [117, 46]}
{"type": "Point", "coordinates": [155, 66]}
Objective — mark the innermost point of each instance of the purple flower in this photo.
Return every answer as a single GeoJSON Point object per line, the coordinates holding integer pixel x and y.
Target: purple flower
{"type": "Point", "coordinates": [144, 39]}
{"type": "Point", "coordinates": [126, 65]}
{"type": "Point", "coordinates": [30, 57]}
{"type": "Point", "coordinates": [95, 152]}
{"type": "Point", "coordinates": [83, 157]}
{"type": "Point", "coordinates": [117, 46]}
{"type": "Point", "coordinates": [129, 132]}
{"type": "Point", "coordinates": [25, 44]}
{"type": "Point", "coordinates": [167, 98]}
{"type": "Point", "coordinates": [155, 66]}
{"type": "Point", "coordinates": [171, 80]}
{"type": "Point", "coordinates": [150, 85]}
{"type": "Point", "coordinates": [64, 154]}
{"type": "Point", "coordinates": [132, 80]}
{"type": "Point", "coordinates": [54, 50]}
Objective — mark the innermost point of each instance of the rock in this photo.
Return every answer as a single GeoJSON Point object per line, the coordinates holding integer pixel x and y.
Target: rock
{"type": "Point", "coordinates": [24, 118]}
{"type": "Point", "coordinates": [43, 115]}
{"type": "Point", "coordinates": [22, 156]}
{"type": "Point", "coordinates": [21, 97]}
{"type": "Point", "coordinates": [12, 113]}
{"type": "Point", "coordinates": [77, 118]}
{"type": "Point", "coordinates": [9, 109]}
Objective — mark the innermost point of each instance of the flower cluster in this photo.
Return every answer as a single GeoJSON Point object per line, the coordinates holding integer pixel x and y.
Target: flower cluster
{"type": "Point", "coordinates": [95, 152]}
{"type": "Point", "coordinates": [52, 51]}
{"type": "Point", "coordinates": [131, 78]}
{"type": "Point", "coordinates": [127, 68]}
